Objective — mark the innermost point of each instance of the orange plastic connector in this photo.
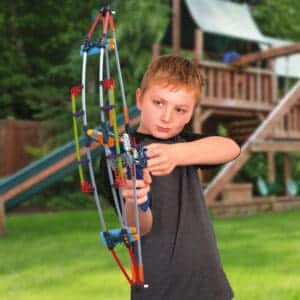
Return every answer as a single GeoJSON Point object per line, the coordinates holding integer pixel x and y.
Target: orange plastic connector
{"type": "Point", "coordinates": [111, 23]}
{"type": "Point", "coordinates": [86, 187]}
{"type": "Point", "coordinates": [100, 139]}
{"type": "Point", "coordinates": [111, 142]}
{"type": "Point", "coordinates": [111, 44]}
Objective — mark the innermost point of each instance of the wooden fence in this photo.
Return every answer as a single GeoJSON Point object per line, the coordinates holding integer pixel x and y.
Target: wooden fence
{"type": "Point", "coordinates": [15, 135]}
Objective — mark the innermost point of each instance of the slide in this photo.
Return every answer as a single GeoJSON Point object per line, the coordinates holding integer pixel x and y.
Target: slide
{"type": "Point", "coordinates": [32, 179]}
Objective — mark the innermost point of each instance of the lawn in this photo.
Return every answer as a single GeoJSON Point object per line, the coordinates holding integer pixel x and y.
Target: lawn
{"type": "Point", "coordinates": [59, 256]}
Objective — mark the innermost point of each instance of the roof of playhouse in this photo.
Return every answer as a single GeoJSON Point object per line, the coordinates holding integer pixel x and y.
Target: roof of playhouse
{"type": "Point", "coordinates": [225, 18]}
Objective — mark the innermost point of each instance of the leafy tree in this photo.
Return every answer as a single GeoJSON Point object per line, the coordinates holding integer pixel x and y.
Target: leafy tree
{"type": "Point", "coordinates": [278, 18]}
{"type": "Point", "coordinates": [40, 48]}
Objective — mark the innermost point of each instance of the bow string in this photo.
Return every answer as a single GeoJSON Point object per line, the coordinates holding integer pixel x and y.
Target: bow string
{"type": "Point", "coordinates": [123, 156]}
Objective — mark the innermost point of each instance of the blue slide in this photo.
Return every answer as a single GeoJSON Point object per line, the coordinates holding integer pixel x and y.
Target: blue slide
{"type": "Point", "coordinates": [29, 181]}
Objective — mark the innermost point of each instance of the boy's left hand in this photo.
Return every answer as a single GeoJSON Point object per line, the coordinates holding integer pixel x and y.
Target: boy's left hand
{"type": "Point", "coordinates": [161, 159]}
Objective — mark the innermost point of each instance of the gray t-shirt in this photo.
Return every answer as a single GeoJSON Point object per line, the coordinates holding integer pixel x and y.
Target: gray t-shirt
{"type": "Point", "coordinates": [180, 256]}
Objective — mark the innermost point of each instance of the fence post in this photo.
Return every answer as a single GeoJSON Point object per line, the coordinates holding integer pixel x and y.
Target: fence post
{"type": "Point", "coordinates": [2, 218]}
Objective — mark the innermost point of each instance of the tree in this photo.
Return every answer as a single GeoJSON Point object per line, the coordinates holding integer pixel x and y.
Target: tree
{"type": "Point", "coordinates": [279, 18]}
{"type": "Point", "coordinates": [41, 50]}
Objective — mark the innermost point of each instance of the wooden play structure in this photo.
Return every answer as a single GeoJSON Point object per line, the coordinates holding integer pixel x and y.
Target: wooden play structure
{"type": "Point", "coordinates": [244, 96]}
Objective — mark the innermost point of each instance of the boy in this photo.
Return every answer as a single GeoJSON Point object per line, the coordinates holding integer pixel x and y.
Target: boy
{"type": "Point", "coordinates": [180, 256]}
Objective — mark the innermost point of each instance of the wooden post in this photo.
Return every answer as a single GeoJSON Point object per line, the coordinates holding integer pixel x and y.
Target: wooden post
{"type": "Point", "coordinates": [2, 218]}
{"type": "Point", "coordinates": [258, 82]}
{"type": "Point", "coordinates": [10, 145]}
{"type": "Point", "coordinates": [197, 124]}
{"type": "Point", "coordinates": [286, 80]}
{"type": "Point", "coordinates": [155, 50]}
{"type": "Point", "coordinates": [274, 82]}
{"type": "Point", "coordinates": [176, 26]}
{"type": "Point", "coordinates": [271, 166]}
{"type": "Point", "coordinates": [287, 172]}
{"type": "Point", "coordinates": [198, 45]}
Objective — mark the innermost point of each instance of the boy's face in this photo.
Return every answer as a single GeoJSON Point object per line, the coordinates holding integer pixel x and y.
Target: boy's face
{"type": "Point", "coordinates": [165, 110]}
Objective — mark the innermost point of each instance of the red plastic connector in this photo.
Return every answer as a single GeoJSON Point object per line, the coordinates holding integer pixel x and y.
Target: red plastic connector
{"type": "Point", "coordinates": [108, 83]}
{"type": "Point", "coordinates": [119, 181]}
{"type": "Point", "coordinates": [86, 187]}
{"type": "Point", "coordinates": [76, 90]}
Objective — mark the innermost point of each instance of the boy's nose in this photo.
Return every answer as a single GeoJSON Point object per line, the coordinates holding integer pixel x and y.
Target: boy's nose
{"type": "Point", "coordinates": [166, 115]}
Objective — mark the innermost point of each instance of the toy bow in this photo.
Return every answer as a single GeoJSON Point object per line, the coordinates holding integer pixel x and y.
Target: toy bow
{"type": "Point", "coordinates": [120, 149]}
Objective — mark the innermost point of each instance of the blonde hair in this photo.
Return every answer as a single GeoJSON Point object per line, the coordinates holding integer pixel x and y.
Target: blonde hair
{"type": "Point", "coordinates": [174, 71]}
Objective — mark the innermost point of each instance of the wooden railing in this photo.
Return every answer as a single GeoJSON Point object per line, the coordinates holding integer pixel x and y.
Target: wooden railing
{"type": "Point", "coordinates": [249, 88]}
{"type": "Point", "coordinates": [252, 86]}
{"type": "Point", "coordinates": [289, 125]}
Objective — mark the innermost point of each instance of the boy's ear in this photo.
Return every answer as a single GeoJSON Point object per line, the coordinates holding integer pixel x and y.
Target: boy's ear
{"type": "Point", "coordinates": [138, 98]}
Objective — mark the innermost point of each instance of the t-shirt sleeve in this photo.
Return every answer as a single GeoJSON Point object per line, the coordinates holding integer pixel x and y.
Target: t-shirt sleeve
{"type": "Point", "coordinates": [190, 137]}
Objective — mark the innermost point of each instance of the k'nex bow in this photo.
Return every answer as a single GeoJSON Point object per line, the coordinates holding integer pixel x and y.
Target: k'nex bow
{"type": "Point", "coordinates": [120, 148]}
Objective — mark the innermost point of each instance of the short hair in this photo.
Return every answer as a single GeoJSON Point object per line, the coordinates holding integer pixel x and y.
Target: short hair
{"type": "Point", "coordinates": [176, 71]}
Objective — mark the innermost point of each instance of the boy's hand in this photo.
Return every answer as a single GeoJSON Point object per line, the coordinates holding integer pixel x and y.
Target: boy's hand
{"type": "Point", "coordinates": [143, 188]}
{"type": "Point", "coordinates": [162, 158]}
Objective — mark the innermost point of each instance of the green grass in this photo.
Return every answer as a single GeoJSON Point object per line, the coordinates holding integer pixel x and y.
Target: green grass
{"type": "Point", "coordinates": [59, 256]}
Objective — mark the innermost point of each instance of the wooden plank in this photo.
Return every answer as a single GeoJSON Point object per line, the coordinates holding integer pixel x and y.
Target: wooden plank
{"type": "Point", "coordinates": [218, 65]}
{"type": "Point", "coordinates": [274, 88]}
{"type": "Point", "coordinates": [266, 96]}
{"type": "Point", "coordinates": [232, 113]}
{"type": "Point", "coordinates": [253, 201]}
{"type": "Point", "coordinates": [276, 146]}
{"type": "Point", "coordinates": [176, 26]}
{"type": "Point", "coordinates": [271, 166]}
{"type": "Point", "coordinates": [211, 83]}
{"type": "Point", "coordinates": [243, 86]}
{"type": "Point", "coordinates": [155, 50]}
{"type": "Point", "coordinates": [251, 88]}
{"type": "Point", "coordinates": [227, 84]}
{"type": "Point", "coordinates": [10, 146]}
{"type": "Point", "coordinates": [266, 54]}
{"type": "Point", "coordinates": [198, 46]}
{"type": "Point", "coordinates": [197, 123]}
{"type": "Point", "coordinates": [298, 118]}
{"type": "Point", "coordinates": [219, 84]}
{"type": "Point", "coordinates": [236, 94]}
{"type": "Point", "coordinates": [287, 171]}
{"type": "Point", "coordinates": [233, 104]}
{"type": "Point", "coordinates": [295, 121]}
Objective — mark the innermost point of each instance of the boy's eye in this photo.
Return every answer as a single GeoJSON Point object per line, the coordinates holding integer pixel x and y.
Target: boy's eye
{"type": "Point", "coordinates": [180, 110]}
{"type": "Point", "coordinates": [157, 102]}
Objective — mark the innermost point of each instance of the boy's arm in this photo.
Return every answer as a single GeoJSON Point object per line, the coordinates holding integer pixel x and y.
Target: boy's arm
{"type": "Point", "coordinates": [145, 218]}
{"type": "Point", "coordinates": [212, 150]}
{"type": "Point", "coordinates": [143, 188]}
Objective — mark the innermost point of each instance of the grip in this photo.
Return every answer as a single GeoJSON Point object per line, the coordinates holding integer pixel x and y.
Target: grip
{"type": "Point", "coordinates": [139, 175]}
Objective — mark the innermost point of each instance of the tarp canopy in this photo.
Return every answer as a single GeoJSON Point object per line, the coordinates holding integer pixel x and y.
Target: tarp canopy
{"type": "Point", "coordinates": [225, 18]}
{"type": "Point", "coordinates": [287, 66]}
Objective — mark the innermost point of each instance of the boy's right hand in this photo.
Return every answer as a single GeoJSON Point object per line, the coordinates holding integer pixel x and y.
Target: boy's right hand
{"type": "Point", "coordinates": [143, 188]}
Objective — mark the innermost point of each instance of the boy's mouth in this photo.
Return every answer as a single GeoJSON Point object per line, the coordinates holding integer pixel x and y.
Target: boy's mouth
{"type": "Point", "coordinates": [162, 129]}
